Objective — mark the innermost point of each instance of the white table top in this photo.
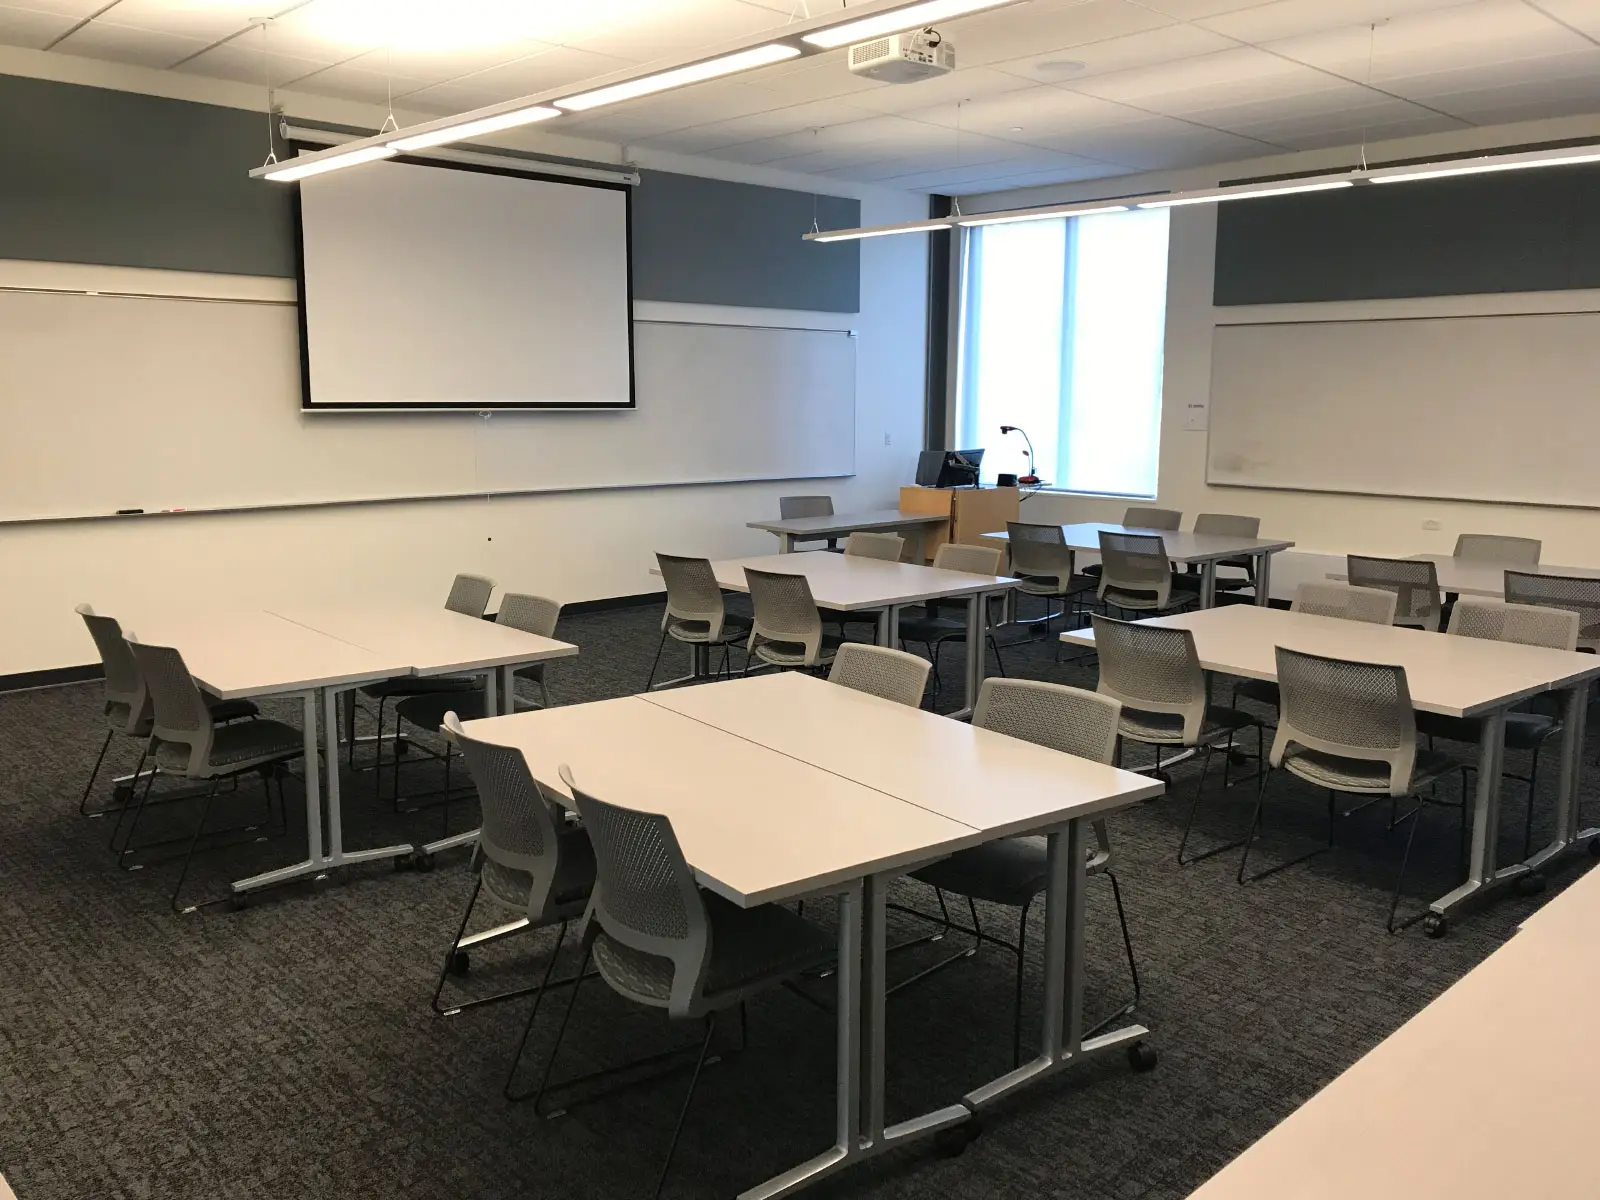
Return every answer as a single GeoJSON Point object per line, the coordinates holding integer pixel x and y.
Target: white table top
{"type": "Point", "coordinates": [878, 518]}
{"type": "Point", "coordinates": [849, 582]}
{"type": "Point", "coordinates": [1574, 915]}
{"type": "Point", "coordinates": [980, 778]}
{"type": "Point", "coordinates": [247, 652]}
{"type": "Point", "coordinates": [756, 825]}
{"type": "Point", "coordinates": [1182, 546]}
{"type": "Point", "coordinates": [1473, 577]}
{"type": "Point", "coordinates": [1489, 1092]}
{"type": "Point", "coordinates": [432, 640]}
{"type": "Point", "coordinates": [1457, 676]}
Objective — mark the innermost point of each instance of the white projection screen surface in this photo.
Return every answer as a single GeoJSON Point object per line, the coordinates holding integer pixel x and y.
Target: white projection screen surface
{"type": "Point", "coordinates": [430, 287]}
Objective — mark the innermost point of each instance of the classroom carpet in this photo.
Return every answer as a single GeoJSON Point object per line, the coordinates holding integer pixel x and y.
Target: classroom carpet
{"type": "Point", "coordinates": [288, 1049]}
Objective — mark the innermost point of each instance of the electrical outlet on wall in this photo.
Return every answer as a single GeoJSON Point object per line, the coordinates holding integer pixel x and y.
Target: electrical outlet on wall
{"type": "Point", "coordinates": [1431, 524]}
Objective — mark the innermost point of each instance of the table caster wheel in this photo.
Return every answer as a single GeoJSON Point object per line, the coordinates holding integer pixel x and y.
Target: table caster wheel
{"type": "Point", "coordinates": [122, 793]}
{"type": "Point", "coordinates": [951, 1142]}
{"type": "Point", "coordinates": [460, 963]}
{"type": "Point", "coordinates": [423, 862]}
{"type": "Point", "coordinates": [1531, 884]}
{"type": "Point", "coordinates": [1435, 925]}
{"type": "Point", "coordinates": [1142, 1057]}
{"type": "Point", "coordinates": [239, 901]}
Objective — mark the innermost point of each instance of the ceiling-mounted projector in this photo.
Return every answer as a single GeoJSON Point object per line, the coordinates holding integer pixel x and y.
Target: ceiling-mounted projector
{"type": "Point", "coordinates": [903, 57]}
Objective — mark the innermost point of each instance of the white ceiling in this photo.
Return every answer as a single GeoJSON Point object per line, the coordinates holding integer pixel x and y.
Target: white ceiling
{"type": "Point", "coordinates": [1046, 91]}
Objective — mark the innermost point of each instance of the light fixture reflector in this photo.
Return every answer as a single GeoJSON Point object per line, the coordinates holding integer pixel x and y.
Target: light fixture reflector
{"type": "Point", "coordinates": [1045, 214]}
{"type": "Point", "coordinates": [293, 169]}
{"type": "Point", "coordinates": [711, 68]}
{"type": "Point", "coordinates": [854, 235]}
{"type": "Point", "coordinates": [913, 16]}
{"type": "Point", "coordinates": [472, 129]}
{"type": "Point", "coordinates": [1247, 191]}
{"type": "Point", "coordinates": [1551, 158]}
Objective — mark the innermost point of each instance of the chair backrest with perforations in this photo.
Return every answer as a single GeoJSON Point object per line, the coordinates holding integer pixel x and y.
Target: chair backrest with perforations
{"type": "Point", "coordinates": [529, 613]}
{"type": "Point", "coordinates": [1499, 548]}
{"type": "Point", "coordinates": [1140, 517]}
{"type": "Point", "coordinates": [125, 693]}
{"type": "Point", "coordinates": [1352, 709]}
{"type": "Point", "coordinates": [881, 671]}
{"type": "Point", "coordinates": [792, 508]}
{"type": "Point", "coordinates": [179, 712]}
{"type": "Point", "coordinates": [1227, 524]}
{"type": "Point", "coordinates": [692, 592]}
{"type": "Point", "coordinates": [1375, 606]}
{"type": "Point", "coordinates": [519, 830]}
{"type": "Point", "coordinates": [469, 595]}
{"type": "Point", "coordinates": [1135, 572]}
{"type": "Point", "coordinates": [645, 895]}
{"type": "Point", "coordinates": [1414, 581]}
{"type": "Point", "coordinates": [887, 546]}
{"type": "Point", "coordinates": [784, 610]}
{"type": "Point", "coordinates": [1039, 551]}
{"type": "Point", "coordinates": [1526, 624]}
{"type": "Point", "coordinates": [973, 560]}
{"type": "Point", "coordinates": [1572, 592]}
{"type": "Point", "coordinates": [1152, 668]}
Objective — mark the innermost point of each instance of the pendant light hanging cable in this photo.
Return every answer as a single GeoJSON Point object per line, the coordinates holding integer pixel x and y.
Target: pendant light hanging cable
{"type": "Point", "coordinates": [390, 125]}
{"type": "Point", "coordinates": [266, 82]}
{"type": "Point", "coordinates": [1372, 42]}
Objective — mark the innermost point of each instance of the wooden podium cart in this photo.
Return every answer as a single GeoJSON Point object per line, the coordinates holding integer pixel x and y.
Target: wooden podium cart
{"type": "Point", "coordinates": [972, 512]}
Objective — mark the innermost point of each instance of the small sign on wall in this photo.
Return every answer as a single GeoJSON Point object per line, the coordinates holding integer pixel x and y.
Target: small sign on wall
{"type": "Point", "coordinates": [1195, 414]}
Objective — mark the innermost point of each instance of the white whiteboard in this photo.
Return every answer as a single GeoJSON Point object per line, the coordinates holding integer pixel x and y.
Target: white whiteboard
{"type": "Point", "coordinates": [1490, 408]}
{"type": "Point", "coordinates": [113, 402]}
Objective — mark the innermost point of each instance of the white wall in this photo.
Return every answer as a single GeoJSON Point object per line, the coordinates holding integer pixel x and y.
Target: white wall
{"type": "Point", "coordinates": [573, 546]}
{"type": "Point", "coordinates": [1332, 524]}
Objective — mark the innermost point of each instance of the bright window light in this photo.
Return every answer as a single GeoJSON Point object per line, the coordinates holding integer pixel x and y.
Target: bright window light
{"type": "Point", "coordinates": [712, 68]}
{"type": "Point", "coordinates": [472, 129]}
{"type": "Point", "coordinates": [294, 169]}
{"type": "Point", "coordinates": [1063, 332]}
{"type": "Point", "coordinates": [913, 17]}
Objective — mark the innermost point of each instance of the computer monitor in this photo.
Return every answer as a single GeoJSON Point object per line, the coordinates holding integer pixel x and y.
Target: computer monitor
{"type": "Point", "coordinates": [948, 468]}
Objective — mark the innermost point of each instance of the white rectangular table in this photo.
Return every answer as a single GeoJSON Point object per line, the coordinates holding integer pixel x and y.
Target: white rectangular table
{"type": "Point", "coordinates": [882, 520]}
{"type": "Point", "coordinates": [1455, 676]}
{"type": "Point", "coordinates": [1204, 549]}
{"type": "Point", "coordinates": [851, 583]}
{"type": "Point", "coordinates": [1474, 577]}
{"type": "Point", "coordinates": [758, 823]}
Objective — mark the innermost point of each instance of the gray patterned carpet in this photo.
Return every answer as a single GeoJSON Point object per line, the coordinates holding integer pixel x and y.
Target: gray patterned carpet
{"type": "Point", "coordinates": [288, 1050]}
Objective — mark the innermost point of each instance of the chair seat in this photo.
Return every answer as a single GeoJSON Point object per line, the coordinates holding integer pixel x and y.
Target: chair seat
{"type": "Point", "coordinates": [1043, 585]}
{"type": "Point", "coordinates": [1343, 774]}
{"type": "Point", "coordinates": [236, 748]}
{"type": "Point", "coordinates": [1264, 691]}
{"type": "Point", "coordinates": [1166, 729]}
{"type": "Point", "coordinates": [793, 654]}
{"type": "Point", "coordinates": [420, 685]}
{"type": "Point", "coordinates": [932, 629]}
{"type": "Point", "coordinates": [734, 629]}
{"type": "Point", "coordinates": [749, 946]}
{"type": "Point", "coordinates": [573, 882]}
{"type": "Point", "coordinates": [1189, 583]}
{"type": "Point", "coordinates": [1146, 601]}
{"type": "Point", "coordinates": [1010, 871]}
{"type": "Point", "coordinates": [428, 712]}
{"type": "Point", "coordinates": [231, 710]}
{"type": "Point", "coordinates": [1524, 731]}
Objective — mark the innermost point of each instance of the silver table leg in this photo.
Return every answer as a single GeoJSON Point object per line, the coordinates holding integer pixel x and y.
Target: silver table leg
{"type": "Point", "coordinates": [1568, 832]}
{"type": "Point", "coordinates": [1208, 583]}
{"type": "Point", "coordinates": [1483, 873]}
{"type": "Point", "coordinates": [1264, 579]}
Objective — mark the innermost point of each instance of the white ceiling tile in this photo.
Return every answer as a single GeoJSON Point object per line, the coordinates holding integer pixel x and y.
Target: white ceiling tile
{"type": "Point", "coordinates": [242, 62]}
{"type": "Point", "coordinates": [1026, 162]}
{"type": "Point", "coordinates": [32, 29]}
{"type": "Point", "coordinates": [1035, 110]}
{"type": "Point", "coordinates": [1193, 10]}
{"type": "Point", "coordinates": [1560, 85]}
{"type": "Point", "coordinates": [348, 81]}
{"type": "Point", "coordinates": [1154, 144]}
{"type": "Point", "coordinates": [1238, 76]}
{"type": "Point", "coordinates": [78, 10]}
{"type": "Point", "coordinates": [209, 20]}
{"type": "Point", "coordinates": [1034, 178]}
{"type": "Point", "coordinates": [972, 84]}
{"type": "Point", "coordinates": [1169, 44]}
{"type": "Point", "coordinates": [1582, 15]}
{"type": "Point", "coordinates": [524, 76]}
{"type": "Point", "coordinates": [797, 121]}
{"type": "Point", "coordinates": [1295, 18]}
{"type": "Point", "coordinates": [120, 43]}
{"type": "Point", "coordinates": [999, 36]}
{"type": "Point", "coordinates": [672, 28]}
{"type": "Point", "coordinates": [1311, 134]}
{"type": "Point", "coordinates": [819, 77]}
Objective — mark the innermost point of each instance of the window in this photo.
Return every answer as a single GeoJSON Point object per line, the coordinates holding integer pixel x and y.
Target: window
{"type": "Point", "coordinates": [1063, 324]}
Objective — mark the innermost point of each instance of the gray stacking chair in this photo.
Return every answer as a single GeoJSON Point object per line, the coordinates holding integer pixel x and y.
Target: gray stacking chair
{"type": "Point", "coordinates": [127, 701]}
{"type": "Point", "coordinates": [1230, 525]}
{"type": "Point", "coordinates": [1414, 581]}
{"type": "Point", "coordinates": [187, 743]}
{"type": "Point", "coordinates": [697, 616]}
{"type": "Point", "coordinates": [528, 860]}
{"type": "Point", "coordinates": [1349, 727]}
{"type": "Point", "coordinates": [1015, 871]}
{"type": "Point", "coordinates": [1499, 548]}
{"type": "Point", "coordinates": [1527, 625]}
{"type": "Point", "coordinates": [1372, 605]}
{"type": "Point", "coordinates": [787, 630]}
{"type": "Point", "coordinates": [880, 671]}
{"type": "Point", "coordinates": [1141, 517]}
{"type": "Point", "coordinates": [932, 627]}
{"type": "Point", "coordinates": [1041, 560]}
{"type": "Point", "coordinates": [1136, 575]}
{"type": "Point", "coordinates": [792, 508]}
{"type": "Point", "coordinates": [886, 546]}
{"type": "Point", "coordinates": [1572, 592]}
{"type": "Point", "coordinates": [539, 616]}
{"type": "Point", "coordinates": [469, 595]}
{"type": "Point", "coordinates": [1155, 673]}
{"type": "Point", "coordinates": [662, 941]}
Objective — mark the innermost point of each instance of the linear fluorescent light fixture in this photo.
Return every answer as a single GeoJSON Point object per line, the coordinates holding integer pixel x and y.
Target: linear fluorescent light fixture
{"type": "Point", "coordinates": [1566, 157]}
{"type": "Point", "coordinates": [661, 81]}
{"type": "Point", "coordinates": [291, 169]}
{"type": "Point", "coordinates": [1245, 191]}
{"type": "Point", "coordinates": [872, 231]}
{"type": "Point", "coordinates": [913, 16]}
{"type": "Point", "coordinates": [472, 129]}
{"type": "Point", "coordinates": [1041, 214]}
